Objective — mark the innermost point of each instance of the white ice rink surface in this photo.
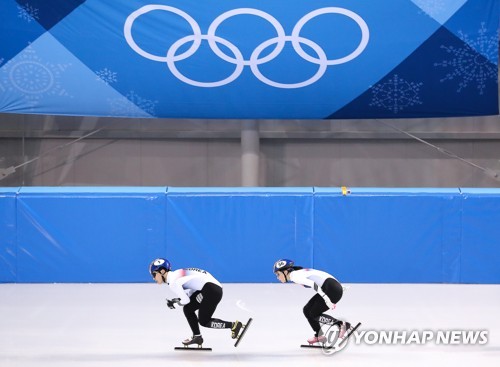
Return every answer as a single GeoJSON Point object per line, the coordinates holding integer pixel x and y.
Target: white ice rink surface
{"type": "Point", "coordinates": [130, 325]}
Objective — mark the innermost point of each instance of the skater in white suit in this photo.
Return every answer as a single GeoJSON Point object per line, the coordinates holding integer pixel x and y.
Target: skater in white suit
{"type": "Point", "coordinates": [328, 293]}
{"type": "Point", "coordinates": [196, 289]}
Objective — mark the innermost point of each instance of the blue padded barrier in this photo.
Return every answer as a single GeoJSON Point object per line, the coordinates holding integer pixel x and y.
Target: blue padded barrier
{"type": "Point", "coordinates": [239, 233]}
{"type": "Point", "coordinates": [8, 250]}
{"type": "Point", "coordinates": [480, 245]}
{"type": "Point", "coordinates": [89, 234]}
{"type": "Point", "coordinates": [392, 235]}
{"type": "Point", "coordinates": [110, 234]}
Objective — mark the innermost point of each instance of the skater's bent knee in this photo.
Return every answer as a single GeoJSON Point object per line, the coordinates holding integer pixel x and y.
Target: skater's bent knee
{"type": "Point", "coordinates": [307, 311]}
{"type": "Point", "coordinates": [205, 322]}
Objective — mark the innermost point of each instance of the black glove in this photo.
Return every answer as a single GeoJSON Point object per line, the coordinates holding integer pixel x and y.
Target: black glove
{"type": "Point", "coordinates": [171, 302]}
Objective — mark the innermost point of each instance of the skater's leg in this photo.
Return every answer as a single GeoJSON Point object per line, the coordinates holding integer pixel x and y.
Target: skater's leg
{"type": "Point", "coordinates": [211, 296]}
{"type": "Point", "coordinates": [314, 308]}
{"type": "Point", "coordinates": [189, 312]}
{"type": "Point", "coordinates": [333, 289]}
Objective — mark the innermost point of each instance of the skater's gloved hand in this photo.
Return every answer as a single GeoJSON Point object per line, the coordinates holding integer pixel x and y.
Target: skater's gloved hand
{"type": "Point", "coordinates": [171, 302]}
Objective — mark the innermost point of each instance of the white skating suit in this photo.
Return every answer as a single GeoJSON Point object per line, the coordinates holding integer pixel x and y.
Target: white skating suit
{"type": "Point", "coordinates": [328, 292]}
{"type": "Point", "coordinates": [184, 282]}
{"type": "Point", "coordinates": [312, 278]}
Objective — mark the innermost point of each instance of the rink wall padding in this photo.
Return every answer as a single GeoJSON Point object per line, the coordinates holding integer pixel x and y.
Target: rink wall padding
{"type": "Point", "coordinates": [110, 234]}
{"type": "Point", "coordinates": [238, 233]}
{"type": "Point", "coordinates": [8, 251]}
{"type": "Point", "coordinates": [88, 234]}
{"type": "Point", "coordinates": [387, 236]}
{"type": "Point", "coordinates": [480, 245]}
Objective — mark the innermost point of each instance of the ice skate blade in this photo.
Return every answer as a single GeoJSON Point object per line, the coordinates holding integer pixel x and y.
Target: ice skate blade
{"type": "Point", "coordinates": [194, 349]}
{"type": "Point", "coordinates": [245, 327]}
{"type": "Point", "coordinates": [312, 346]}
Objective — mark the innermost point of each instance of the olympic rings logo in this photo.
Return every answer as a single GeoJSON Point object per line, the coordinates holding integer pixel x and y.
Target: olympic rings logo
{"type": "Point", "coordinates": [237, 58]}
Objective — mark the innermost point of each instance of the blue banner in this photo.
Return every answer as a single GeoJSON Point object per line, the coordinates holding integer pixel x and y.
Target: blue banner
{"type": "Point", "coordinates": [237, 59]}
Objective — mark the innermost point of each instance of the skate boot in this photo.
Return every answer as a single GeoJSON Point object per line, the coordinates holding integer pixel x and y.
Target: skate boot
{"type": "Point", "coordinates": [345, 328]}
{"type": "Point", "coordinates": [317, 339]}
{"type": "Point", "coordinates": [235, 330]}
{"type": "Point", "coordinates": [195, 339]}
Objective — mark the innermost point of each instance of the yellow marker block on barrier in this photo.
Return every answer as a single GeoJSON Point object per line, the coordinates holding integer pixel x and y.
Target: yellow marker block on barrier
{"type": "Point", "coordinates": [345, 190]}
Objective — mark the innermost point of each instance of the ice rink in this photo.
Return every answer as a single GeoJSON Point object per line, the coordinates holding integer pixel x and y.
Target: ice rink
{"type": "Point", "coordinates": [130, 325]}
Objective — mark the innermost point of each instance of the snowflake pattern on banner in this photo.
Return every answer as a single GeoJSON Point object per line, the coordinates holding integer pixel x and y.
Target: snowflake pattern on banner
{"type": "Point", "coordinates": [433, 8]}
{"type": "Point", "coordinates": [133, 106]}
{"type": "Point", "coordinates": [32, 77]}
{"type": "Point", "coordinates": [106, 76]}
{"type": "Point", "coordinates": [28, 13]}
{"type": "Point", "coordinates": [396, 94]}
{"type": "Point", "coordinates": [467, 65]}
